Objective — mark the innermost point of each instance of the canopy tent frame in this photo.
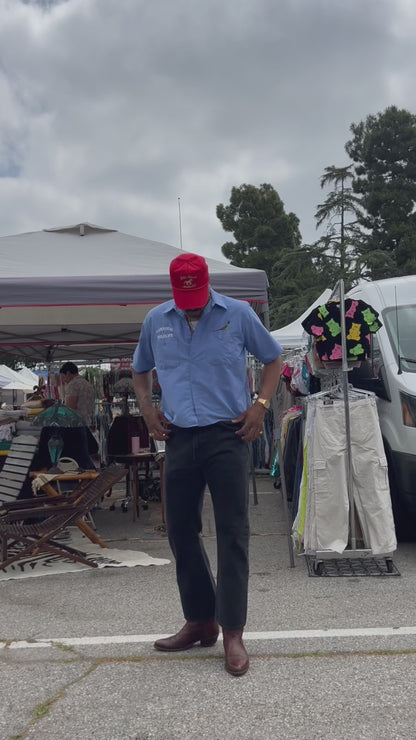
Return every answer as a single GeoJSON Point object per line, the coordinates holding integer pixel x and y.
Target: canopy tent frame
{"type": "Point", "coordinates": [90, 301]}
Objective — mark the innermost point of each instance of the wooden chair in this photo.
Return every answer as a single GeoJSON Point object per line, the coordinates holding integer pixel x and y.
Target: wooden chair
{"type": "Point", "coordinates": [16, 467]}
{"type": "Point", "coordinates": [33, 524]}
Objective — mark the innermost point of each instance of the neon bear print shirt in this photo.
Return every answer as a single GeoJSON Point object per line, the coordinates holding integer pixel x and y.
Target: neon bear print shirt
{"type": "Point", "coordinates": [324, 324]}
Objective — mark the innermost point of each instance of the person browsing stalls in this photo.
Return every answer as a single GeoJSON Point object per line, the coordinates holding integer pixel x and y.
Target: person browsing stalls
{"type": "Point", "coordinates": [198, 344]}
{"type": "Point", "coordinates": [79, 394]}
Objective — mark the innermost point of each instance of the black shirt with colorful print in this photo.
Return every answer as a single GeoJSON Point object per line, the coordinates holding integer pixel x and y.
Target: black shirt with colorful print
{"type": "Point", "coordinates": [324, 324]}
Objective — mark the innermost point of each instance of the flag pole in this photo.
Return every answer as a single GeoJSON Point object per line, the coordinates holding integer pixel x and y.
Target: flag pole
{"type": "Point", "coordinates": [180, 222]}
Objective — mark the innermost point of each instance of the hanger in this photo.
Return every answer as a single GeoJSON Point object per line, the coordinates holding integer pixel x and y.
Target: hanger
{"type": "Point", "coordinates": [336, 393]}
{"type": "Point", "coordinates": [361, 392]}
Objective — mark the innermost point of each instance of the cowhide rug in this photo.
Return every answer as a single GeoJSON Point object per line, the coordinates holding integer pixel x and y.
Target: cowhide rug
{"type": "Point", "coordinates": [49, 564]}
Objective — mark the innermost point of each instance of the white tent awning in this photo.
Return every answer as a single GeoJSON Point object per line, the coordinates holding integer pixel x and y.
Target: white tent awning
{"type": "Point", "coordinates": [293, 335]}
{"type": "Point", "coordinates": [14, 385]}
{"type": "Point", "coordinates": [7, 375]}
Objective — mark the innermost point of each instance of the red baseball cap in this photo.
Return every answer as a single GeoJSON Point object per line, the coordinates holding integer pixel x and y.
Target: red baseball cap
{"type": "Point", "coordinates": [190, 281]}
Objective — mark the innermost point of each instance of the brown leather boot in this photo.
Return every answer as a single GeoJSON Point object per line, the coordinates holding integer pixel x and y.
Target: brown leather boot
{"type": "Point", "coordinates": [205, 633]}
{"type": "Point", "coordinates": [236, 658]}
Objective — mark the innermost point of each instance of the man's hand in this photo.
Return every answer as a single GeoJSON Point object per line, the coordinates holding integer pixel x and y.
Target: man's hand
{"type": "Point", "coordinates": [157, 423]}
{"type": "Point", "coordinates": [252, 423]}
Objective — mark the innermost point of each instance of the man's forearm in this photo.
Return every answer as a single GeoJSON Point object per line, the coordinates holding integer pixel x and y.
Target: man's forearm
{"type": "Point", "coordinates": [142, 383]}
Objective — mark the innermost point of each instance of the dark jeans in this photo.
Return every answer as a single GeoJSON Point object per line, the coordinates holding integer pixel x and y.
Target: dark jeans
{"type": "Point", "coordinates": [216, 457]}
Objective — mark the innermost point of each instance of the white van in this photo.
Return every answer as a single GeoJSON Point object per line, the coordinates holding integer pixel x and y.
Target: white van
{"type": "Point", "coordinates": [390, 372]}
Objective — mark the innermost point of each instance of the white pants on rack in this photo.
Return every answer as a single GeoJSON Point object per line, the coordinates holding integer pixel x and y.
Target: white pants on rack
{"type": "Point", "coordinates": [327, 509]}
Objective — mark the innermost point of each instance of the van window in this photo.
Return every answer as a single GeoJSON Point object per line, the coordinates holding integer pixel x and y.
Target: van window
{"type": "Point", "coordinates": [400, 323]}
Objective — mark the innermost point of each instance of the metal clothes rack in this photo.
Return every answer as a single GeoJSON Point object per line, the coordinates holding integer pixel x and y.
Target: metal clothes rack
{"type": "Point", "coordinates": [352, 552]}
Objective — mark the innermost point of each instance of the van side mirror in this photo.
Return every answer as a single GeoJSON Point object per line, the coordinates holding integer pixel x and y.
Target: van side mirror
{"type": "Point", "coordinates": [361, 377]}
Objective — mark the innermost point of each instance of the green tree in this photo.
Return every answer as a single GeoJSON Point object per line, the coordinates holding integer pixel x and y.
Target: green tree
{"type": "Point", "coordinates": [15, 363]}
{"type": "Point", "coordinates": [341, 211]}
{"type": "Point", "coordinates": [261, 227]}
{"type": "Point", "coordinates": [383, 149]}
{"type": "Point", "coordinates": [299, 276]}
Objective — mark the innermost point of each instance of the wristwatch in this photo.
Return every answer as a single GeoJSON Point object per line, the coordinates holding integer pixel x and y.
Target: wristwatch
{"type": "Point", "coordinates": [264, 402]}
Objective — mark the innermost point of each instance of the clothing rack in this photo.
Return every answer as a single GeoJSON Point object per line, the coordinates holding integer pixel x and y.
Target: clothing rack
{"type": "Point", "coordinates": [352, 551]}
{"type": "Point", "coordinates": [353, 537]}
{"type": "Point", "coordinates": [341, 390]}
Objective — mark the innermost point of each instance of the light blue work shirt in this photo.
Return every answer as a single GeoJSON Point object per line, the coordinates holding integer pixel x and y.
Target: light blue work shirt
{"type": "Point", "coordinates": [203, 374]}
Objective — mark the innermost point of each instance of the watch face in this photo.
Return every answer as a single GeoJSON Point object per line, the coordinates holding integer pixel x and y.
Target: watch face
{"type": "Point", "coordinates": [264, 402]}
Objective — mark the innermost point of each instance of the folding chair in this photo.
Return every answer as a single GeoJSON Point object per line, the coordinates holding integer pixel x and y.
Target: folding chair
{"type": "Point", "coordinates": [16, 468]}
{"type": "Point", "coordinates": [18, 525]}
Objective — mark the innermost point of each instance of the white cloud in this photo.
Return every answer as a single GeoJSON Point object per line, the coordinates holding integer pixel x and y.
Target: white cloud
{"type": "Point", "coordinates": [111, 111]}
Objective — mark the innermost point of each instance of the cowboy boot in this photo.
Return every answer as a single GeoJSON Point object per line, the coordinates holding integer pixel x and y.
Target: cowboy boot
{"type": "Point", "coordinates": [236, 658]}
{"type": "Point", "coordinates": [206, 633]}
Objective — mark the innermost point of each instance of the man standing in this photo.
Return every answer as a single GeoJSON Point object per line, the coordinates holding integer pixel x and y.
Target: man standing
{"type": "Point", "coordinates": [79, 395]}
{"type": "Point", "coordinates": [198, 343]}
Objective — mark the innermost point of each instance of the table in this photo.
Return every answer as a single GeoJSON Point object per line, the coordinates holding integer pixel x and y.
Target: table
{"type": "Point", "coordinates": [133, 460]}
{"type": "Point", "coordinates": [50, 491]}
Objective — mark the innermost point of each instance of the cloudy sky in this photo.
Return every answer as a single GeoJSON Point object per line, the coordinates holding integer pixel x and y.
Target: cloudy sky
{"type": "Point", "coordinates": [112, 110]}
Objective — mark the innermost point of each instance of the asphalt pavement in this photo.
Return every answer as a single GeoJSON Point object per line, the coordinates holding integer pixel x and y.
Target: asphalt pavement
{"type": "Point", "coordinates": [331, 658]}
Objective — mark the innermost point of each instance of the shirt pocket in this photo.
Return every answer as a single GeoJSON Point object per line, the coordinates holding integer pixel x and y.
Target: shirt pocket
{"type": "Point", "coordinates": [224, 348]}
{"type": "Point", "coordinates": [167, 353]}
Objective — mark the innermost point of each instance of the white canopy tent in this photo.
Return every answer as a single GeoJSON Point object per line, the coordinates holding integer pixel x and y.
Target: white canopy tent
{"type": "Point", "coordinates": [25, 381]}
{"type": "Point", "coordinates": [17, 386]}
{"type": "Point", "coordinates": [83, 291]}
{"type": "Point", "coordinates": [293, 335]}
{"type": "Point", "coordinates": [28, 376]}
{"type": "Point", "coordinates": [10, 378]}
{"type": "Point", "coordinates": [18, 380]}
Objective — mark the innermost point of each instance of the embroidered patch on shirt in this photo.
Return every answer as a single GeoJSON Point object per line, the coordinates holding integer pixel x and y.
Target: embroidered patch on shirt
{"type": "Point", "coordinates": [164, 332]}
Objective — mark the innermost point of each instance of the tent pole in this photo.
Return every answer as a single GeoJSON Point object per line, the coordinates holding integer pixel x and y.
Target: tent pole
{"type": "Point", "coordinates": [266, 317]}
{"type": "Point", "coordinates": [353, 533]}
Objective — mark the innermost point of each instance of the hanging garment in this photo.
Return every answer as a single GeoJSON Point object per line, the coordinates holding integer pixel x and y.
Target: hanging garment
{"type": "Point", "coordinates": [290, 454]}
{"type": "Point", "coordinates": [323, 519]}
{"type": "Point", "coordinates": [298, 528]}
{"type": "Point", "coordinates": [262, 447]}
{"type": "Point", "coordinates": [324, 324]}
{"type": "Point", "coordinates": [299, 383]}
{"type": "Point", "coordinates": [297, 480]}
{"type": "Point", "coordinates": [327, 506]}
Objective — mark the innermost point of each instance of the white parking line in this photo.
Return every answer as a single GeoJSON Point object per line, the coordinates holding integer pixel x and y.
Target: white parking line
{"type": "Point", "coordinates": [259, 636]}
